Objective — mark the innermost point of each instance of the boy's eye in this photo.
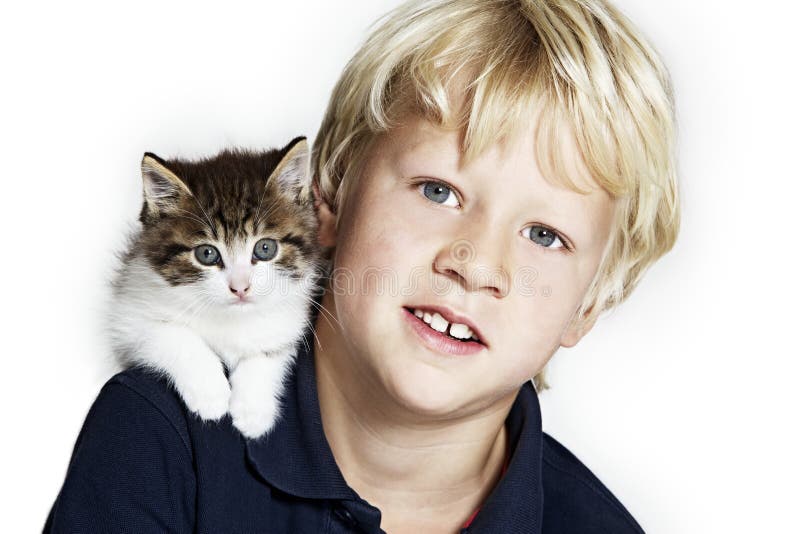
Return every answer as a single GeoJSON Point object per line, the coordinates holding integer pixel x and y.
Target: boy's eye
{"type": "Point", "coordinates": [439, 193]}
{"type": "Point", "coordinates": [541, 235]}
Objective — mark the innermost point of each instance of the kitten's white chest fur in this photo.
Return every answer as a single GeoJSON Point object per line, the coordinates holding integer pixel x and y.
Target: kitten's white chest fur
{"type": "Point", "coordinates": [248, 333]}
{"type": "Point", "coordinates": [257, 344]}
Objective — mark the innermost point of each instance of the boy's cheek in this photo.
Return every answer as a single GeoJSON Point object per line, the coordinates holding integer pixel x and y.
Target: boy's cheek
{"type": "Point", "coordinates": [385, 241]}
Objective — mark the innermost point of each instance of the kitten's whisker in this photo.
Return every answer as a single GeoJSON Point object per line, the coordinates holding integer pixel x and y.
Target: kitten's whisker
{"type": "Point", "coordinates": [322, 274]}
{"type": "Point", "coordinates": [257, 217]}
{"type": "Point", "coordinates": [267, 211]}
{"type": "Point", "coordinates": [195, 218]}
{"type": "Point", "coordinates": [179, 316]}
{"type": "Point", "coordinates": [210, 224]}
{"type": "Point", "coordinates": [201, 303]}
{"type": "Point", "coordinates": [205, 304]}
{"type": "Point", "coordinates": [305, 342]}
{"type": "Point", "coordinates": [188, 306]}
{"type": "Point", "coordinates": [309, 325]}
{"type": "Point", "coordinates": [325, 312]}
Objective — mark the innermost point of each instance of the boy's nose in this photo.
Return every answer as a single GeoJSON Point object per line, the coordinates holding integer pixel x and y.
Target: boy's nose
{"type": "Point", "coordinates": [476, 264]}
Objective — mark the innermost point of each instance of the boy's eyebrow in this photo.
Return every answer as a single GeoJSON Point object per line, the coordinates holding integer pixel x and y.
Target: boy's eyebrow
{"type": "Point", "coordinates": [408, 158]}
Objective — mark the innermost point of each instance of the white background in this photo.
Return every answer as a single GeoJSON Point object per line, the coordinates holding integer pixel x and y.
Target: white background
{"type": "Point", "coordinates": [684, 401]}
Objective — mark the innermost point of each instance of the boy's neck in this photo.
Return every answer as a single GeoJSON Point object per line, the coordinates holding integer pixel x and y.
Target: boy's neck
{"type": "Point", "coordinates": [424, 476]}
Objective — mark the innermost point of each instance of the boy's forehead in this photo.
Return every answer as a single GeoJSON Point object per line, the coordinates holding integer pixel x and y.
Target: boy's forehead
{"type": "Point", "coordinates": [419, 141]}
{"type": "Point", "coordinates": [418, 137]}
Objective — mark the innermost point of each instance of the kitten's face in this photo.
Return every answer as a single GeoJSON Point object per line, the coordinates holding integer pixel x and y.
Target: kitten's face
{"type": "Point", "coordinates": [233, 232]}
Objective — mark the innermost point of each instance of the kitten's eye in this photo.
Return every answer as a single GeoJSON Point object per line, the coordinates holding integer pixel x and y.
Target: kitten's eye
{"type": "Point", "coordinates": [541, 235]}
{"type": "Point", "coordinates": [439, 193]}
{"type": "Point", "coordinates": [265, 249]}
{"type": "Point", "coordinates": [207, 254]}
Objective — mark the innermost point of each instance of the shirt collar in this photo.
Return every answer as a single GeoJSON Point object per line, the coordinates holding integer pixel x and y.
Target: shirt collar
{"type": "Point", "coordinates": [516, 503]}
{"type": "Point", "coordinates": [295, 456]}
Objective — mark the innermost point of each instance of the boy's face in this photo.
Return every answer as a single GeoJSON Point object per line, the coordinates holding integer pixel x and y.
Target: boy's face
{"type": "Point", "coordinates": [421, 231]}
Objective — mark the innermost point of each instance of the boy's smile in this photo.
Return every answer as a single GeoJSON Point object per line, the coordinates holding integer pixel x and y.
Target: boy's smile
{"type": "Point", "coordinates": [454, 283]}
{"type": "Point", "coordinates": [442, 331]}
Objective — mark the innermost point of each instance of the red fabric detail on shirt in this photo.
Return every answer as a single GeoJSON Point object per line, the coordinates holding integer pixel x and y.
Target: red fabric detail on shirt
{"type": "Point", "coordinates": [475, 513]}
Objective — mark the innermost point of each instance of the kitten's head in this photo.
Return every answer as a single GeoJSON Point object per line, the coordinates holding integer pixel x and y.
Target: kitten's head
{"type": "Point", "coordinates": [238, 229]}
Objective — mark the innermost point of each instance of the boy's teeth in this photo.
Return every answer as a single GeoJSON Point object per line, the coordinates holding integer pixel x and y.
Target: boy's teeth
{"type": "Point", "coordinates": [461, 331]}
{"type": "Point", "coordinates": [438, 323]}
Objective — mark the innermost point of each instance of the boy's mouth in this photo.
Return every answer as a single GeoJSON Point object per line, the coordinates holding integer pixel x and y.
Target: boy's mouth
{"type": "Point", "coordinates": [446, 322]}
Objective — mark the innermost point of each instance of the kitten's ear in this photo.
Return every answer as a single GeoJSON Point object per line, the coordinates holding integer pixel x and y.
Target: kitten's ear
{"type": "Point", "coordinates": [162, 187]}
{"type": "Point", "coordinates": [292, 174]}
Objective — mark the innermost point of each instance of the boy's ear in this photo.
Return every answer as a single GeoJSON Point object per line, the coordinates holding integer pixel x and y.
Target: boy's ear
{"type": "Point", "coordinates": [577, 329]}
{"type": "Point", "coordinates": [327, 219]}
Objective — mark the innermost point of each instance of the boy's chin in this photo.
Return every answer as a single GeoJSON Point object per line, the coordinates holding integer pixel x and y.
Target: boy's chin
{"type": "Point", "coordinates": [429, 393]}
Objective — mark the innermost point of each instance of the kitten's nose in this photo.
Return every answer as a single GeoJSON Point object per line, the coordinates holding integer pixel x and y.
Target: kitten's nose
{"type": "Point", "coordinates": [239, 291]}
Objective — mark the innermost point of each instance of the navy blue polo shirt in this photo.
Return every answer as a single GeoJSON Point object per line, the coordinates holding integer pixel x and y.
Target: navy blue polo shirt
{"type": "Point", "coordinates": [142, 463]}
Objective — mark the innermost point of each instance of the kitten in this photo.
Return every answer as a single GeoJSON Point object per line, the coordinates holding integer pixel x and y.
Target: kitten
{"type": "Point", "coordinates": [220, 277]}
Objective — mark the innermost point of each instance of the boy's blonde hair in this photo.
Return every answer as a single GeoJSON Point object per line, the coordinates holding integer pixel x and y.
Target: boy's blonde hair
{"type": "Point", "coordinates": [576, 66]}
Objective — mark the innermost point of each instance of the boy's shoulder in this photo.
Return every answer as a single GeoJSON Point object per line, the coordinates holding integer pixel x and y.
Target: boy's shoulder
{"type": "Point", "coordinates": [574, 498]}
{"type": "Point", "coordinates": [147, 393]}
{"type": "Point", "coordinates": [151, 385]}
{"type": "Point", "coordinates": [132, 455]}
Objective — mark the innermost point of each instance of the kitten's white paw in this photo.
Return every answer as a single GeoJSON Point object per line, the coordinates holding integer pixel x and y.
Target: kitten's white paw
{"type": "Point", "coordinates": [253, 414]}
{"type": "Point", "coordinates": [256, 386]}
{"type": "Point", "coordinates": [210, 399]}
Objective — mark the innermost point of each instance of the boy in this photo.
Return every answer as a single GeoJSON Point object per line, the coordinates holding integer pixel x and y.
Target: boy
{"type": "Point", "coordinates": [508, 165]}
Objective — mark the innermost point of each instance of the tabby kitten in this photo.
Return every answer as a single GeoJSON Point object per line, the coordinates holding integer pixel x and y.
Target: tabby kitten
{"type": "Point", "coordinates": [220, 277]}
